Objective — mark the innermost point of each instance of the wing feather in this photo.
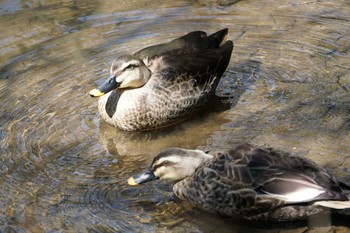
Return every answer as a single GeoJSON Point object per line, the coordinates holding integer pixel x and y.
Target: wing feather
{"type": "Point", "coordinates": [249, 181]}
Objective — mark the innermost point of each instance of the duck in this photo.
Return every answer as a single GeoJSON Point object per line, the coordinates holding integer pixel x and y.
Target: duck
{"type": "Point", "coordinates": [163, 84]}
{"type": "Point", "coordinates": [249, 182]}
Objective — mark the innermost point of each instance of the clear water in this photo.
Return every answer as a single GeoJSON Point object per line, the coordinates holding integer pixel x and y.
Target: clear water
{"type": "Point", "coordinates": [62, 170]}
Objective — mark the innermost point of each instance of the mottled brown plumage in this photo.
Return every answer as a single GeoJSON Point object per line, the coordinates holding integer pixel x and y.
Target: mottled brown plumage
{"type": "Point", "coordinates": [250, 182]}
{"type": "Point", "coordinates": [165, 83]}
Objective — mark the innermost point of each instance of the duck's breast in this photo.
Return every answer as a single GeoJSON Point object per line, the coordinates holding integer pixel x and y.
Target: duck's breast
{"type": "Point", "coordinates": [123, 109]}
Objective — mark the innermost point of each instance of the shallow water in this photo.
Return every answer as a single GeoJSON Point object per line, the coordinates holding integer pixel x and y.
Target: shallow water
{"type": "Point", "coordinates": [62, 170]}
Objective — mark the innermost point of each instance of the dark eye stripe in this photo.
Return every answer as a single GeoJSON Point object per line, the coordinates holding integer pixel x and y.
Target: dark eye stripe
{"type": "Point", "coordinates": [130, 66]}
{"type": "Point", "coordinates": [164, 163]}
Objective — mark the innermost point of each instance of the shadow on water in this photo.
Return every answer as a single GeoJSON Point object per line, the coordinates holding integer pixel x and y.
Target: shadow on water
{"type": "Point", "coordinates": [171, 212]}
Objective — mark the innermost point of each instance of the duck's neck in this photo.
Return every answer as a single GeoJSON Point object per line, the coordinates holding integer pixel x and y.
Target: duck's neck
{"type": "Point", "coordinates": [192, 162]}
{"type": "Point", "coordinates": [204, 156]}
{"type": "Point", "coordinates": [181, 186]}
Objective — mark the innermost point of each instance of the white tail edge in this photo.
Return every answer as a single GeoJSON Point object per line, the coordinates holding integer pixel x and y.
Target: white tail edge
{"type": "Point", "coordinates": [339, 205]}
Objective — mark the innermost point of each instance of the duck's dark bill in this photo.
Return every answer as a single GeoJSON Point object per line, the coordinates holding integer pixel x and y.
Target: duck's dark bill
{"type": "Point", "coordinates": [106, 87]}
{"type": "Point", "coordinates": [142, 178]}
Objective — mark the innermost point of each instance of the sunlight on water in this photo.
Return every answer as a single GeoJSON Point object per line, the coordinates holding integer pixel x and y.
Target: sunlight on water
{"type": "Point", "coordinates": [287, 86]}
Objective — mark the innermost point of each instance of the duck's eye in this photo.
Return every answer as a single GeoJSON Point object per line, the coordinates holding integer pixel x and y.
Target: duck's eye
{"type": "Point", "coordinates": [130, 67]}
{"type": "Point", "coordinates": [166, 163]}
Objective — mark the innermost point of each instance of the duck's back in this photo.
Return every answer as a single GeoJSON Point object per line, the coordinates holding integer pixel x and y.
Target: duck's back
{"type": "Point", "coordinates": [189, 43]}
{"type": "Point", "coordinates": [255, 182]}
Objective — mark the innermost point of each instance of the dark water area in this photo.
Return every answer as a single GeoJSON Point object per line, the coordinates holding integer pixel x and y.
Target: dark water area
{"type": "Point", "coordinates": [63, 170]}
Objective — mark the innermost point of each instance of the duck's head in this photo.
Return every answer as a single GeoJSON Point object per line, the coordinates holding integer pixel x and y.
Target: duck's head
{"type": "Point", "coordinates": [126, 72]}
{"type": "Point", "coordinates": [172, 164]}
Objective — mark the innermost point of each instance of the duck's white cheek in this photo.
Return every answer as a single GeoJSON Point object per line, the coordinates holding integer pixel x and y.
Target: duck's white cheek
{"type": "Point", "coordinates": [173, 174]}
{"type": "Point", "coordinates": [129, 79]}
{"type": "Point", "coordinates": [159, 173]}
{"type": "Point", "coordinates": [122, 79]}
{"type": "Point", "coordinates": [165, 173]}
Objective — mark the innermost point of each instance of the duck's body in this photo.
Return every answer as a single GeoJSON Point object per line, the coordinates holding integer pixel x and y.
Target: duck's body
{"type": "Point", "coordinates": [250, 182]}
{"type": "Point", "coordinates": [162, 84]}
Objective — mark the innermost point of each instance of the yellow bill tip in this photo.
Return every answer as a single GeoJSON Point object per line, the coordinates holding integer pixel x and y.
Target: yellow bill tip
{"type": "Point", "coordinates": [96, 93]}
{"type": "Point", "coordinates": [131, 181]}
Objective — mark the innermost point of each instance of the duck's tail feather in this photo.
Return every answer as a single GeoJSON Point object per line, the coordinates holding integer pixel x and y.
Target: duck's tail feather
{"type": "Point", "coordinates": [218, 38]}
{"type": "Point", "coordinates": [341, 200]}
{"type": "Point", "coordinates": [339, 205]}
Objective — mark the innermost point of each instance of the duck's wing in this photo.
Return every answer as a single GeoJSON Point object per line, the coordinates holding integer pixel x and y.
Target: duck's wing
{"type": "Point", "coordinates": [200, 66]}
{"type": "Point", "coordinates": [182, 84]}
{"type": "Point", "coordinates": [224, 185]}
{"type": "Point", "coordinates": [291, 178]}
{"type": "Point", "coordinates": [189, 43]}
{"type": "Point", "coordinates": [248, 181]}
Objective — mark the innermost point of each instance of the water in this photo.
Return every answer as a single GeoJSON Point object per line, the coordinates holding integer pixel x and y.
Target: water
{"type": "Point", "coordinates": [62, 170]}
